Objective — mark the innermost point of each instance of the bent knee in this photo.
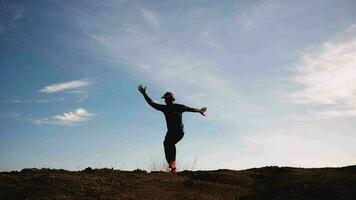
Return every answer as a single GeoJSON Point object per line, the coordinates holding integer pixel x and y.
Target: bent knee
{"type": "Point", "coordinates": [167, 143]}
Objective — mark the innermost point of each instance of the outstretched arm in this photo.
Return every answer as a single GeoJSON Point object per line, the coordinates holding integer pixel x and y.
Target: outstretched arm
{"type": "Point", "coordinates": [201, 110]}
{"type": "Point", "coordinates": [143, 92]}
{"type": "Point", "coordinates": [148, 99]}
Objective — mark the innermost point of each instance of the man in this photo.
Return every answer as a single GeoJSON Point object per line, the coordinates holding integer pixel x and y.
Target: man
{"type": "Point", "coordinates": [173, 114]}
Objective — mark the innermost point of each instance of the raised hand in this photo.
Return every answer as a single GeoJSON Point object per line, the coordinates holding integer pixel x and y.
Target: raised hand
{"type": "Point", "coordinates": [142, 89]}
{"type": "Point", "coordinates": [202, 110]}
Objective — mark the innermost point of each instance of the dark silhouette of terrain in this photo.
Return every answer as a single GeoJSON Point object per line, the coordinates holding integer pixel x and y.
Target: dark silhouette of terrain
{"type": "Point", "coordinates": [257, 183]}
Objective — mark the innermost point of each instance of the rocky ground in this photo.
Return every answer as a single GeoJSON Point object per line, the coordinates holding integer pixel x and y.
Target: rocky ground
{"type": "Point", "coordinates": [258, 183]}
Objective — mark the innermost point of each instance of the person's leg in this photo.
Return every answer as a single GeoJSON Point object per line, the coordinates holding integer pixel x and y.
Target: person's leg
{"type": "Point", "coordinates": [173, 163]}
{"type": "Point", "coordinates": [170, 149]}
{"type": "Point", "coordinates": [176, 139]}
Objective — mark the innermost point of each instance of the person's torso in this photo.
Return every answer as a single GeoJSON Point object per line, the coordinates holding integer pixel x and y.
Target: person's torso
{"type": "Point", "coordinates": [173, 115]}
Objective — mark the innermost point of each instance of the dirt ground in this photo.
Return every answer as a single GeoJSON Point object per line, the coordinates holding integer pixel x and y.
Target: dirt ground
{"type": "Point", "coordinates": [257, 183]}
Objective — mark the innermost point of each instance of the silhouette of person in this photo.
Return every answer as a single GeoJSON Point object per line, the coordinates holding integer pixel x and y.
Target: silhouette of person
{"type": "Point", "coordinates": [173, 114]}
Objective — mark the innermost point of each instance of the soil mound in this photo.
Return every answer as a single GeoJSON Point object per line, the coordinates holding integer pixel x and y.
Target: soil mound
{"type": "Point", "coordinates": [256, 183]}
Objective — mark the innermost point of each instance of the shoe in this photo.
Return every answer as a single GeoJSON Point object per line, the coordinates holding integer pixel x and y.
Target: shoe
{"type": "Point", "coordinates": [173, 170]}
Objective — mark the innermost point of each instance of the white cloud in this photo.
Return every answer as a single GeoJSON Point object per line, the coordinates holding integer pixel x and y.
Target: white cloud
{"type": "Point", "coordinates": [150, 17]}
{"type": "Point", "coordinates": [328, 78]}
{"type": "Point", "coordinates": [307, 142]}
{"type": "Point", "coordinates": [79, 115]}
{"type": "Point", "coordinates": [288, 147]}
{"type": "Point", "coordinates": [77, 84]}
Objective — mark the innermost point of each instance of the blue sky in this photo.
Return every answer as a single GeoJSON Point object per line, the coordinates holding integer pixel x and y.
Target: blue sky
{"type": "Point", "coordinates": [278, 78]}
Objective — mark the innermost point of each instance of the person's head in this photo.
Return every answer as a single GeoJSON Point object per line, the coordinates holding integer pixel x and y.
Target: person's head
{"type": "Point", "coordinates": [168, 97]}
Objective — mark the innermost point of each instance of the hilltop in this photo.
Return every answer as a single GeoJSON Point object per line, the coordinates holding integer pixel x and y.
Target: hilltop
{"type": "Point", "coordinates": [256, 183]}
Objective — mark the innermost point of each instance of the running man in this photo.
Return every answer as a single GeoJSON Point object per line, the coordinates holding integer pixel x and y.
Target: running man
{"type": "Point", "coordinates": [173, 114]}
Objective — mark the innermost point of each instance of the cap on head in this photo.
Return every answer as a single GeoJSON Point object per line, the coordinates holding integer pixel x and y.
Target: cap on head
{"type": "Point", "coordinates": [168, 96]}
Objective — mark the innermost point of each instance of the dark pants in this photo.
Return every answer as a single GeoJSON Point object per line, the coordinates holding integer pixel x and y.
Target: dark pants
{"type": "Point", "coordinates": [169, 144]}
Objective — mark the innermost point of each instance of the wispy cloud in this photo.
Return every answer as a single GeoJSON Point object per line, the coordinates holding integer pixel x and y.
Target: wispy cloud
{"type": "Point", "coordinates": [9, 114]}
{"type": "Point", "coordinates": [15, 101]}
{"type": "Point", "coordinates": [207, 37]}
{"type": "Point", "coordinates": [82, 95]}
{"type": "Point", "coordinates": [251, 17]}
{"type": "Point", "coordinates": [67, 118]}
{"type": "Point", "coordinates": [328, 77]}
{"type": "Point", "coordinates": [71, 85]}
{"type": "Point", "coordinates": [49, 100]}
{"type": "Point", "coordinates": [39, 101]}
{"type": "Point", "coordinates": [10, 15]}
{"type": "Point", "coordinates": [150, 17]}
{"type": "Point", "coordinates": [207, 84]}
{"type": "Point", "coordinates": [167, 64]}
{"type": "Point", "coordinates": [76, 87]}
